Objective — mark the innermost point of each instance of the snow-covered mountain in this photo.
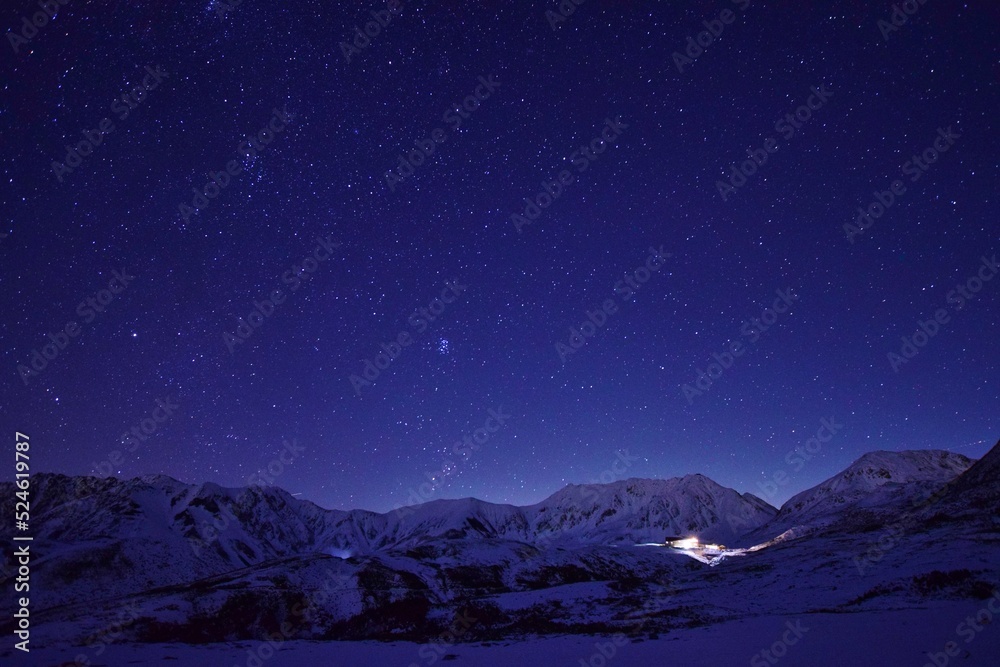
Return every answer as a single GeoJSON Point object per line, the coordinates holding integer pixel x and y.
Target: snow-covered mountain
{"type": "Point", "coordinates": [877, 483]}
{"type": "Point", "coordinates": [645, 510]}
{"type": "Point", "coordinates": [622, 512]}
{"type": "Point", "coordinates": [258, 523]}
{"type": "Point", "coordinates": [127, 535]}
{"type": "Point", "coordinates": [983, 477]}
{"type": "Point", "coordinates": [205, 563]}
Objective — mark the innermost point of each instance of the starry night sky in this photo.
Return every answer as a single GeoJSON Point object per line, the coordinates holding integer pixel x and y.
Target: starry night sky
{"type": "Point", "coordinates": [518, 289]}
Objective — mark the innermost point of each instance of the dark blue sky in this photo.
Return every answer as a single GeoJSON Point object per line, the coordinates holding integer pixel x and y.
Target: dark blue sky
{"type": "Point", "coordinates": [307, 215]}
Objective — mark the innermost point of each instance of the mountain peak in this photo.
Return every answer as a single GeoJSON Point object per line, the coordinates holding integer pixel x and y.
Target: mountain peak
{"type": "Point", "coordinates": [880, 467]}
{"type": "Point", "coordinates": [875, 480]}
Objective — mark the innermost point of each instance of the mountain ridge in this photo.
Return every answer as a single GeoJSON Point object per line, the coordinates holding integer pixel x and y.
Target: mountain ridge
{"type": "Point", "coordinates": [210, 563]}
{"type": "Point", "coordinates": [239, 526]}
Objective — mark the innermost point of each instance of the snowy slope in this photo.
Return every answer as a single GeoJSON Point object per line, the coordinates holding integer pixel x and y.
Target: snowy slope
{"type": "Point", "coordinates": [130, 535]}
{"type": "Point", "coordinates": [563, 566]}
{"type": "Point", "coordinates": [642, 510]}
{"type": "Point", "coordinates": [242, 526]}
{"type": "Point", "coordinates": [866, 639]}
{"type": "Point", "coordinates": [876, 483]}
{"type": "Point", "coordinates": [622, 512]}
{"type": "Point", "coordinates": [984, 476]}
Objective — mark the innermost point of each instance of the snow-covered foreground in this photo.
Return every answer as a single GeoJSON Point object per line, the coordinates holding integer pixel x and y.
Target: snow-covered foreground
{"type": "Point", "coordinates": [883, 565]}
{"type": "Point", "coordinates": [820, 640]}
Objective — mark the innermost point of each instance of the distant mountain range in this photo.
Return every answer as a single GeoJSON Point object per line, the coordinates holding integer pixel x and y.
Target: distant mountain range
{"type": "Point", "coordinates": [206, 563]}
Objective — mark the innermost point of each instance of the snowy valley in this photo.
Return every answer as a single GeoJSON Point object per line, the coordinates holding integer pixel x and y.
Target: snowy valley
{"type": "Point", "coordinates": [171, 566]}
